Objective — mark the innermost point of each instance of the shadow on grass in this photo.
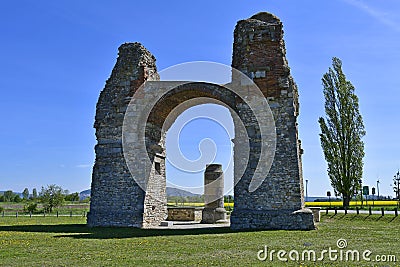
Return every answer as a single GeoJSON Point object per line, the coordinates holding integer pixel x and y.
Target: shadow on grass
{"type": "Point", "coordinates": [82, 231]}
{"type": "Point", "coordinates": [352, 218]}
{"type": "Point", "coordinates": [333, 216]}
{"type": "Point", "coordinates": [366, 217]}
{"type": "Point", "coordinates": [363, 217]}
{"type": "Point", "coordinates": [338, 216]}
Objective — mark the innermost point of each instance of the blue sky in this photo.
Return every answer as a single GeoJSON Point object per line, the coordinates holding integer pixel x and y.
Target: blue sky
{"type": "Point", "coordinates": [202, 135]}
{"type": "Point", "coordinates": [57, 55]}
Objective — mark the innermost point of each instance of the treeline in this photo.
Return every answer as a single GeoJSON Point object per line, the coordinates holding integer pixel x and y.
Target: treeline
{"type": "Point", "coordinates": [50, 197]}
{"type": "Point", "coordinates": [181, 200]}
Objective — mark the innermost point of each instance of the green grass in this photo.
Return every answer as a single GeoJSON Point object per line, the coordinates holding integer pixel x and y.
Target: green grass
{"type": "Point", "coordinates": [66, 241]}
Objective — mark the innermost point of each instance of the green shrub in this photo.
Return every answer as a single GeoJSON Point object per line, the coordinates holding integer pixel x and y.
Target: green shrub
{"type": "Point", "coordinates": [86, 200]}
{"type": "Point", "coordinates": [30, 207]}
{"type": "Point", "coordinates": [17, 199]}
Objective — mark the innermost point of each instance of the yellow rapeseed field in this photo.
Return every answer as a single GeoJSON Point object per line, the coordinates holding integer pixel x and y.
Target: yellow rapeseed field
{"type": "Point", "coordinates": [311, 204]}
{"type": "Point", "coordinates": [352, 203]}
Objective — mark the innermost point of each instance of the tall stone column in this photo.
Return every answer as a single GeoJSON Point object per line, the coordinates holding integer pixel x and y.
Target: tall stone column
{"type": "Point", "coordinates": [259, 52]}
{"type": "Point", "coordinates": [214, 211]}
{"type": "Point", "coordinates": [116, 198]}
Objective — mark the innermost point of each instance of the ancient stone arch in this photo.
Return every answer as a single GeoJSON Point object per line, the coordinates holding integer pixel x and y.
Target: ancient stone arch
{"type": "Point", "coordinates": [128, 192]}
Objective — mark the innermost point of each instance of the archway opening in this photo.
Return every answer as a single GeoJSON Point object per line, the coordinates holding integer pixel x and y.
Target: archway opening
{"type": "Point", "coordinates": [200, 135]}
{"type": "Point", "coordinates": [162, 116]}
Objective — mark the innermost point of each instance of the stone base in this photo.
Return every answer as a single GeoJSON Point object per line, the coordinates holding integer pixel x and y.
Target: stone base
{"type": "Point", "coordinates": [316, 213]}
{"type": "Point", "coordinates": [184, 213]}
{"type": "Point", "coordinates": [211, 215]}
{"type": "Point", "coordinates": [272, 219]}
{"type": "Point", "coordinates": [115, 219]}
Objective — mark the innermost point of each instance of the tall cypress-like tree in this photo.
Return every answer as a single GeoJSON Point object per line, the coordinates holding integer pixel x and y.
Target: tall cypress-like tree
{"type": "Point", "coordinates": [34, 193]}
{"type": "Point", "coordinates": [342, 132]}
{"type": "Point", "coordinates": [25, 193]}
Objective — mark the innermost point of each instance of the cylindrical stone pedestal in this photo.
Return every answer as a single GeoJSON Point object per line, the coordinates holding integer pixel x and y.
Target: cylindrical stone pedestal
{"type": "Point", "coordinates": [214, 211]}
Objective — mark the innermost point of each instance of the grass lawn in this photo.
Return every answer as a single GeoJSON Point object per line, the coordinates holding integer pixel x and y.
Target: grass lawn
{"type": "Point", "coordinates": [66, 241]}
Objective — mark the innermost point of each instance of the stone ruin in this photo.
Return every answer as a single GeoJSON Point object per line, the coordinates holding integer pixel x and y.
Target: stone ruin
{"type": "Point", "coordinates": [117, 197]}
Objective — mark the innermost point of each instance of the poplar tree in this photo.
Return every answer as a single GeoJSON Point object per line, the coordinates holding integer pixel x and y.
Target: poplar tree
{"type": "Point", "coordinates": [341, 133]}
{"type": "Point", "coordinates": [25, 194]}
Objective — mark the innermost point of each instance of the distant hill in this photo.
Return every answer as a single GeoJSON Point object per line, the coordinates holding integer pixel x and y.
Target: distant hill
{"type": "Point", "coordinates": [171, 192]}
{"type": "Point", "coordinates": [176, 192]}
{"type": "Point", "coordinates": [84, 194]}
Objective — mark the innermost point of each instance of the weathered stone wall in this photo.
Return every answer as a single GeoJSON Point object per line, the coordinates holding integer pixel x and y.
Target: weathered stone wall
{"type": "Point", "coordinates": [116, 198]}
{"type": "Point", "coordinates": [259, 52]}
{"type": "Point", "coordinates": [155, 202]}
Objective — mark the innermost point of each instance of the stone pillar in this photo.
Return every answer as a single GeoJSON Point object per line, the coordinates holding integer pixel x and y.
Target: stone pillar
{"type": "Point", "coordinates": [214, 211]}
{"type": "Point", "coordinates": [259, 52]}
{"type": "Point", "coordinates": [116, 198]}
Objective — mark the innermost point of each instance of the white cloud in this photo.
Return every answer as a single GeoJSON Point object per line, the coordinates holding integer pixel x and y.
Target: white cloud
{"type": "Point", "coordinates": [381, 16]}
{"type": "Point", "coordinates": [84, 166]}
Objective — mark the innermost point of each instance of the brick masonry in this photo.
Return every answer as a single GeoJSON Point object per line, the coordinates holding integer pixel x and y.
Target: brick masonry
{"type": "Point", "coordinates": [258, 52]}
